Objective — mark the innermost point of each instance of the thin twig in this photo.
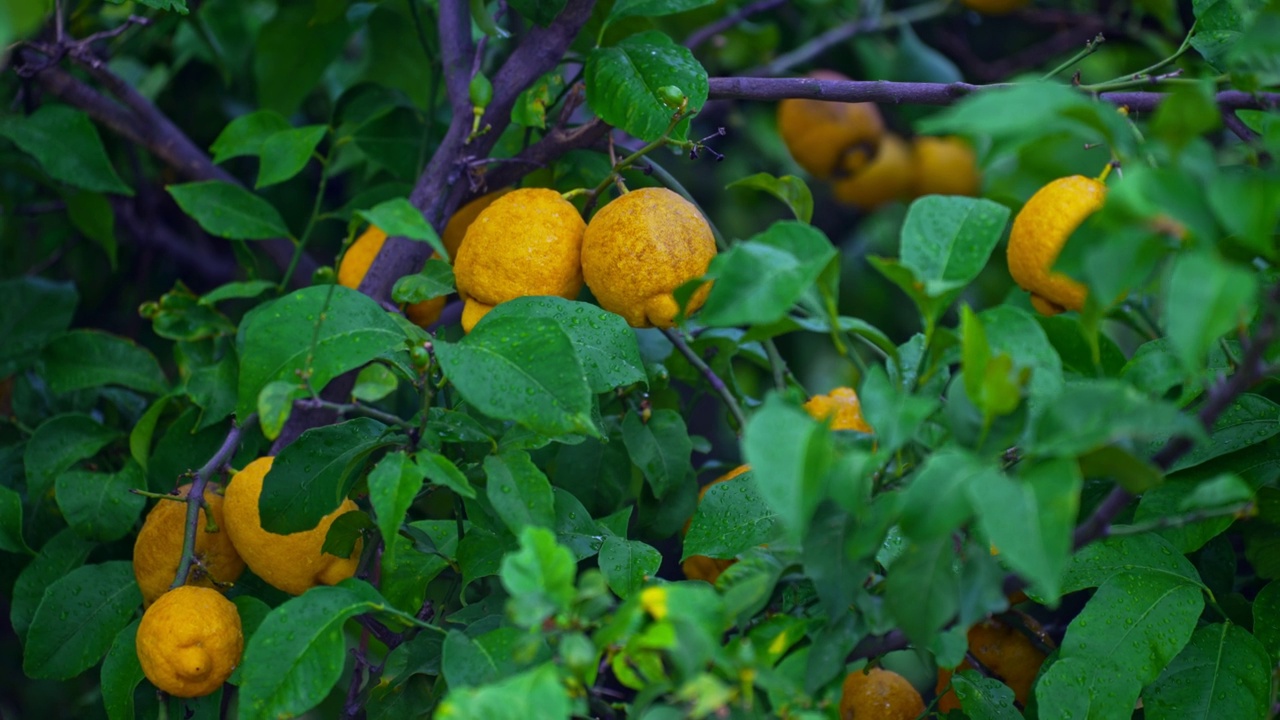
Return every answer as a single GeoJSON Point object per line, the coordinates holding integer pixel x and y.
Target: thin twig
{"type": "Point", "coordinates": [195, 496]}
{"type": "Point", "coordinates": [841, 33]}
{"type": "Point", "coordinates": [710, 30]}
{"type": "Point", "coordinates": [716, 383]}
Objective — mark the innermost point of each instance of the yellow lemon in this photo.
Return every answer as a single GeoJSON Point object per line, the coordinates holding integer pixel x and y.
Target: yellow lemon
{"type": "Point", "coordinates": [158, 549]}
{"type": "Point", "coordinates": [819, 133]}
{"type": "Point", "coordinates": [887, 177]}
{"type": "Point", "coordinates": [456, 229]}
{"type": "Point", "coordinates": [841, 406]}
{"type": "Point", "coordinates": [356, 262]}
{"type": "Point", "coordinates": [1039, 233]}
{"type": "Point", "coordinates": [189, 641]}
{"type": "Point", "coordinates": [1004, 650]}
{"type": "Point", "coordinates": [641, 247]}
{"type": "Point", "coordinates": [944, 166]}
{"type": "Point", "coordinates": [879, 694]}
{"type": "Point", "coordinates": [527, 242]}
{"type": "Point", "coordinates": [295, 562]}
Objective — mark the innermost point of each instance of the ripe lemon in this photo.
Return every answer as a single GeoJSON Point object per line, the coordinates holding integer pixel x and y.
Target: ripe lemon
{"type": "Point", "coordinates": [879, 694]}
{"type": "Point", "coordinates": [841, 406]}
{"type": "Point", "coordinates": [158, 549]}
{"type": "Point", "coordinates": [1041, 230]}
{"type": "Point", "coordinates": [1004, 650]}
{"type": "Point", "coordinates": [527, 242]}
{"type": "Point", "coordinates": [701, 567]}
{"type": "Point", "coordinates": [641, 247]}
{"type": "Point", "coordinates": [356, 262]}
{"type": "Point", "coordinates": [819, 133]}
{"type": "Point", "coordinates": [944, 166]}
{"type": "Point", "coordinates": [189, 641]}
{"type": "Point", "coordinates": [293, 563]}
{"type": "Point", "coordinates": [993, 7]}
{"type": "Point", "coordinates": [456, 229]}
{"type": "Point", "coordinates": [887, 177]}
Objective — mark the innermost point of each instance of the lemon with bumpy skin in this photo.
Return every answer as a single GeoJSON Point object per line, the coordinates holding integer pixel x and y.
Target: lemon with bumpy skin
{"type": "Point", "coordinates": [841, 406]}
{"type": "Point", "coordinates": [641, 247]}
{"type": "Point", "coordinates": [527, 242]}
{"type": "Point", "coordinates": [701, 567]}
{"type": "Point", "coordinates": [879, 694]}
{"type": "Point", "coordinates": [295, 562]}
{"type": "Point", "coordinates": [1004, 650]}
{"type": "Point", "coordinates": [1039, 233]}
{"type": "Point", "coordinates": [189, 641]}
{"type": "Point", "coordinates": [820, 133]}
{"type": "Point", "coordinates": [158, 549]}
{"type": "Point", "coordinates": [355, 263]}
{"type": "Point", "coordinates": [887, 177]}
{"type": "Point", "coordinates": [944, 166]}
{"type": "Point", "coordinates": [456, 229]}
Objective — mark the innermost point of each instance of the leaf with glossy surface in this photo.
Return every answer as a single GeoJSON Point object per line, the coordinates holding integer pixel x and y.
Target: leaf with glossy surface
{"type": "Point", "coordinates": [99, 506]}
{"type": "Point", "coordinates": [312, 475]}
{"type": "Point", "coordinates": [627, 565]}
{"type": "Point", "coordinates": [245, 135]}
{"type": "Point", "coordinates": [121, 674]}
{"type": "Point", "coordinates": [731, 517]}
{"type": "Point", "coordinates": [1218, 656]}
{"type": "Point", "coordinates": [1206, 297]}
{"type": "Point", "coordinates": [67, 145]}
{"type": "Point", "coordinates": [537, 694]}
{"type": "Point", "coordinates": [81, 359]}
{"type": "Point", "coordinates": [789, 453]}
{"type": "Point", "coordinates": [757, 281]}
{"type": "Point", "coordinates": [65, 552]}
{"type": "Point", "coordinates": [653, 8]}
{"type": "Point", "coordinates": [229, 211]}
{"type": "Point", "coordinates": [1092, 413]}
{"type": "Point", "coordinates": [440, 470]}
{"type": "Point", "coordinates": [399, 218]}
{"type": "Point", "coordinates": [393, 484]}
{"type": "Point", "coordinates": [661, 448]}
{"type": "Point", "coordinates": [435, 280]}
{"type": "Point", "coordinates": [788, 188]}
{"type": "Point", "coordinates": [32, 310]}
{"type": "Point", "coordinates": [11, 539]}
{"type": "Point", "coordinates": [58, 444]}
{"type": "Point", "coordinates": [922, 589]}
{"type": "Point", "coordinates": [523, 370]}
{"type": "Point", "coordinates": [293, 49]}
{"type": "Point", "coordinates": [947, 239]}
{"type": "Point", "coordinates": [623, 81]}
{"type": "Point", "coordinates": [518, 491]}
{"type": "Point", "coordinates": [285, 153]}
{"type": "Point", "coordinates": [78, 620]}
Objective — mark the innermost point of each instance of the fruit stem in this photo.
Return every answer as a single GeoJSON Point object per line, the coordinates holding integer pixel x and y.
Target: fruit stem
{"type": "Point", "coordinates": [195, 496]}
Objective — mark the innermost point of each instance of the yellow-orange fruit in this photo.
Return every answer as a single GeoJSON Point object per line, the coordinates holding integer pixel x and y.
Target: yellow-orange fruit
{"type": "Point", "coordinates": [820, 133]}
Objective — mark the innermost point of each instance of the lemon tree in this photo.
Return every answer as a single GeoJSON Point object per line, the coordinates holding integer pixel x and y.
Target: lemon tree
{"type": "Point", "coordinates": [640, 359]}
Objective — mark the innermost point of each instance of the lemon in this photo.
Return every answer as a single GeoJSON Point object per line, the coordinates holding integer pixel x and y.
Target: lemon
{"type": "Point", "coordinates": [879, 694]}
{"type": "Point", "coordinates": [355, 263]}
{"type": "Point", "coordinates": [887, 177]}
{"type": "Point", "coordinates": [819, 133]}
{"type": "Point", "coordinates": [944, 166]}
{"type": "Point", "coordinates": [158, 549]}
{"type": "Point", "coordinates": [456, 229]}
{"type": "Point", "coordinates": [1006, 652]}
{"type": "Point", "coordinates": [295, 562]}
{"type": "Point", "coordinates": [1039, 233]}
{"type": "Point", "coordinates": [641, 247]}
{"type": "Point", "coordinates": [189, 641]}
{"type": "Point", "coordinates": [841, 406]}
{"type": "Point", "coordinates": [527, 242]}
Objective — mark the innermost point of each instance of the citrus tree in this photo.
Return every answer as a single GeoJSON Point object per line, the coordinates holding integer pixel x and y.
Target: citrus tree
{"type": "Point", "coordinates": [640, 359]}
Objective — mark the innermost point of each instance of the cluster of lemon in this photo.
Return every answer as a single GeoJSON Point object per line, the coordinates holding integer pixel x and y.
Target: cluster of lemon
{"type": "Point", "coordinates": [841, 408]}
{"type": "Point", "coordinates": [190, 638]}
{"type": "Point", "coordinates": [868, 166]}
{"type": "Point", "coordinates": [532, 241]}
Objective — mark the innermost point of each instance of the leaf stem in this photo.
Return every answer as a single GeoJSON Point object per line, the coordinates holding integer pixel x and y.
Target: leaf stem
{"type": "Point", "coordinates": [1090, 47]}
{"type": "Point", "coordinates": [312, 221]}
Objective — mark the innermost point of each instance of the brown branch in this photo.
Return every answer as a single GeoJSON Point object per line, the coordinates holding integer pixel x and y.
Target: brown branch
{"type": "Point", "coordinates": [554, 145]}
{"type": "Point", "coordinates": [195, 497]}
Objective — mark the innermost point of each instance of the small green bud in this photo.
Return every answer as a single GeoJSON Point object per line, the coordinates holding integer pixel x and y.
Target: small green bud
{"type": "Point", "coordinates": [324, 275]}
{"type": "Point", "coordinates": [480, 90]}
{"type": "Point", "coordinates": [671, 96]}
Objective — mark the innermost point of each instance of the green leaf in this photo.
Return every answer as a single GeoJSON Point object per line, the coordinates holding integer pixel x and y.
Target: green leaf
{"type": "Point", "coordinates": [990, 382]}
{"type": "Point", "coordinates": [605, 345]}
{"type": "Point", "coordinates": [59, 556]}
{"type": "Point", "coordinates": [229, 211]}
{"type": "Point", "coordinates": [661, 448]}
{"type": "Point", "coordinates": [1206, 297]}
{"type": "Point", "coordinates": [57, 445]}
{"type": "Point", "coordinates": [574, 527]}
{"type": "Point", "coordinates": [312, 475]}
{"type": "Point", "coordinates": [1188, 112]}
{"type": "Point", "coordinates": [277, 339]}
{"type": "Point", "coordinates": [1030, 520]}
{"type": "Point", "coordinates": [435, 280]}
{"type": "Point", "coordinates": [628, 564]}
{"type": "Point", "coordinates": [1092, 413]}
{"type": "Point", "coordinates": [78, 620]}
{"type": "Point", "coordinates": [653, 8]}
{"type": "Point", "coordinates": [541, 12]}
{"type": "Point", "coordinates": [286, 153]}
{"type": "Point", "coordinates": [80, 359]}
{"type": "Point", "coordinates": [947, 239]}
{"type": "Point", "coordinates": [536, 694]}
{"type": "Point", "coordinates": [984, 698]}
{"type": "Point", "coordinates": [393, 142]}
{"type": "Point", "coordinates": [275, 405]}
{"type": "Point", "coordinates": [99, 506]}
{"type": "Point", "coordinates": [292, 51]}
{"type": "Point", "coordinates": [940, 497]}
{"type": "Point", "coordinates": [11, 539]}
{"type": "Point", "coordinates": [922, 589]}
{"type": "Point", "coordinates": [237, 290]}
{"type": "Point", "coordinates": [298, 653]}
{"type": "Point", "coordinates": [93, 216]}
{"type": "Point", "coordinates": [518, 491]}
{"type": "Point", "coordinates": [441, 471]}
{"type": "Point", "coordinates": [1247, 202]}
{"type": "Point", "coordinates": [246, 134]}
{"type": "Point", "coordinates": [1015, 332]}
{"type": "Point", "coordinates": [789, 453]}
{"type": "Point", "coordinates": [1074, 687]}
{"type": "Point", "coordinates": [789, 189]}
{"type": "Point", "coordinates": [1219, 26]}
{"type": "Point", "coordinates": [539, 577]}
{"type": "Point", "coordinates": [523, 370]}
{"type": "Point", "coordinates": [399, 218]}
{"type": "Point", "coordinates": [1168, 500]}
{"type": "Point", "coordinates": [67, 146]}
{"type": "Point", "coordinates": [32, 310]}
{"type": "Point", "coordinates": [1138, 554]}
{"type": "Point", "coordinates": [1218, 656]}
{"type": "Point", "coordinates": [373, 383]}
{"type": "Point", "coordinates": [121, 674]}
{"type": "Point", "coordinates": [623, 81]}
{"type": "Point", "coordinates": [893, 415]}
{"type": "Point", "coordinates": [732, 517]}
{"type": "Point", "coordinates": [393, 484]}
{"type": "Point", "coordinates": [1266, 618]}
{"type": "Point", "coordinates": [758, 281]}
